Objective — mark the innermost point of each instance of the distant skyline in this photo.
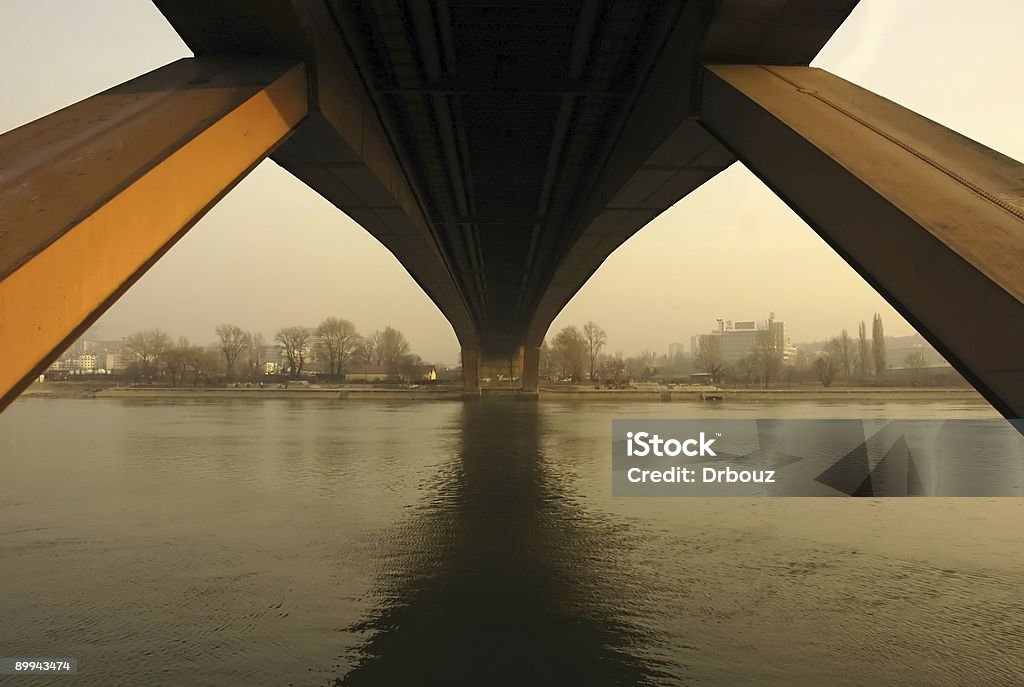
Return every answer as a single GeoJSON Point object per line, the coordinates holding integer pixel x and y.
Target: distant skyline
{"type": "Point", "coordinates": [273, 253]}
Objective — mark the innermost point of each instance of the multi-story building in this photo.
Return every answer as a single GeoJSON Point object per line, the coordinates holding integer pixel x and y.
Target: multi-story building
{"type": "Point", "coordinates": [735, 340]}
{"type": "Point", "coordinates": [119, 362]}
{"type": "Point", "coordinates": [62, 364]}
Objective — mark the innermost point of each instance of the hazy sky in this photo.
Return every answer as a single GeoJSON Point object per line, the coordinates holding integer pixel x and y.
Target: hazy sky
{"type": "Point", "coordinates": [273, 253]}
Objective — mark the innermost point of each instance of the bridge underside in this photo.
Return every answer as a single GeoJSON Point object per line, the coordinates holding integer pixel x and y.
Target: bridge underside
{"type": "Point", "coordinates": [502, 151]}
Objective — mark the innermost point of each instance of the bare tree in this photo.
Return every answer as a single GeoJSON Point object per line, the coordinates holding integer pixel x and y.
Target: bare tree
{"type": "Point", "coordinates": [614, 367]}
{"type": "Point", "coordinates": [546, 364]}
{"type": "Point", "coordinates": [148, 346]}
{"type": "Point", "coordinates": [878, 345]}
{"type": "Point", "coordinates": [842, 349]}
{"type": "Point", "coordinates": [595, 338]}
{"type": "Point", "coordinates": [371, 347]}
{"type": "Point", "coordinates": [254, 354]}
{"type": "Point", "coordinates": [767, 352]}
{"type": "Point", "coordinates": [915, 362]}
{"type": "Point", "coordinates": [826, 368]}
{"type": "Point", "coordinates": [864, 350]}
{"type": "Point", "coordinates": [391, 347]}
{"type": "Point", "coordinates": [408, 366]}
{"type": "Point", "coordinates": [747, 367]}
{"type": "Point", "coordinates": [364, 353]}
{"type": "Point", "coordinates": [201, 362]}
{"type": "Point", "coordinates": [182, 358]}
{"type": "Point", "coordinates": [709, 357]}
{"type": "Point", "coordinates": [338, 341]}
{"type": "Point", "coordinates": [638, 367]}
{"type": "Point", "coordinates": [233, 340]}
{"type": "Point", "coordinates": [569, 351]}
{"type": "Point", "coordinates": [294, 343]}
{"type": "Point", "coordinates": [175, 361]}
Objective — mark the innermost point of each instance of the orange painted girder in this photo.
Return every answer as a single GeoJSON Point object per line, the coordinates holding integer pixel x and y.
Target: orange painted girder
{"type": "Point", "coordinates": [92, 195]}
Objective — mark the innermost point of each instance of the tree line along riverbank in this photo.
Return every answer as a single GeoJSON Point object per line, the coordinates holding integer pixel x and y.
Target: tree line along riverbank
{"type": "Point", "coordinates": [551, 392]}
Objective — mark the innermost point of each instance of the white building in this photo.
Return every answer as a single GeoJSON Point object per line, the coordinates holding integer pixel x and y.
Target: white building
{"type": "Point", "coordinates": [85, 363]}
{"type": "Point", "coordinates": [738, 339]}
{"type": "Point", "coordinates": [119, 362]}
{"type": "Point", "coordinates": [62, 364]}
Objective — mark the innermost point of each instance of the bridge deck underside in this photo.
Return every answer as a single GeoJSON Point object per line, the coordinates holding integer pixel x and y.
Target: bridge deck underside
{"type": "Point", "coordinates": [503, 150]}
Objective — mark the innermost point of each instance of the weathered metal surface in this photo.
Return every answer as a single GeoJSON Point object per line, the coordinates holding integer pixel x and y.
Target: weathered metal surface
{"type": "Point", "coordinates": [930, 218]}
{"type": "Point", "coordinates": [91, 196]}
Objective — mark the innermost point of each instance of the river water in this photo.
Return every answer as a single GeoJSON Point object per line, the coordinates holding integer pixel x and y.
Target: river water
{"type": "Point", "coordinates": [282, 542]}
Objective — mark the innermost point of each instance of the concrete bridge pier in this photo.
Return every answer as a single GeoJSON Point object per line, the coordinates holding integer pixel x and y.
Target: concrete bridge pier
{"type": "Point", "coordinates": [531, 368]}
{"type": "Point", "coordinates": [519, 370]}
{"type": "Point", "coordinates": [933, 220]}
{"type": "Point", "coordinates": [471, 371]}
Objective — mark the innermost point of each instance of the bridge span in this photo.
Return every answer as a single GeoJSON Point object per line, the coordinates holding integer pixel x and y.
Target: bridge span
{"type": "Point", "coordinates": [502, 151]}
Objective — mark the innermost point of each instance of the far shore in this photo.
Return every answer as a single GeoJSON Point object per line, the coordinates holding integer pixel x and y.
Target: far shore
{"type": "Point", "coordinates": [869, 394]}
{"type": "Point", "coordinates": [649, 392]}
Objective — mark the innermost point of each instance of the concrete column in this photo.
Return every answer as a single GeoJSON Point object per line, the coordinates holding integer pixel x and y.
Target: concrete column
{"type": "Point", "coordinates": [933, 220]}
{"type": "Point", "coordinates": [95, 193]}
{"type": "Point", "coordinates": [471, 370]}
{"type": "Point", "coordinates": [531, 369]}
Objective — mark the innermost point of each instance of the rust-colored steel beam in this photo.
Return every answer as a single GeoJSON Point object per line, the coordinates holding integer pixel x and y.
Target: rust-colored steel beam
{"type": "Point", "coordinates": [930, 218]}
{"type": "Point", "coordinates": [92, 195]}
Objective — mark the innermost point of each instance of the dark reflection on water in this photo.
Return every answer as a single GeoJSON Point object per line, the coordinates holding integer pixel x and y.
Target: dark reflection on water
{"type": "Point", "coordinates": [496, 582]}
{"type": "Point", "coordinates": [309, 544]}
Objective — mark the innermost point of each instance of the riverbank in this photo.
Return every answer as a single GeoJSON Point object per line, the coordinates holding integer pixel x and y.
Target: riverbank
{"type": "Point", "coordinates": [86, 390]}
{"type": "Point", "coordinates": [574, 393]}
{"type": "Point", "coordinates": [710, 394]}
